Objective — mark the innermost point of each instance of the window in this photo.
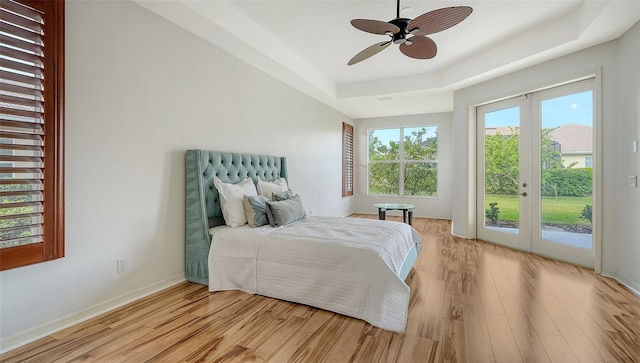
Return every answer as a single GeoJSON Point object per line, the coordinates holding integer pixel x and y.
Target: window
{"type": "Point", "coordinates": [588, 162]}
{"type": "Point", "coordinates": [31, 148]}
{"type": "Point", "coordinates": [347, 160]}
{"type": "Point", "coordinates": [414, 161]}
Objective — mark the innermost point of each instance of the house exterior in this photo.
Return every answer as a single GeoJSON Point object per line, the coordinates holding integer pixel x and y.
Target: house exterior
{"type": "Point", "coordinates": [576, 145]}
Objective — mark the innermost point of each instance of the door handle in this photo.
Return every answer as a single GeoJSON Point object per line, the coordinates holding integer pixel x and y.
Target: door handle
{"type": "Point", "coordinates": [524, 194]}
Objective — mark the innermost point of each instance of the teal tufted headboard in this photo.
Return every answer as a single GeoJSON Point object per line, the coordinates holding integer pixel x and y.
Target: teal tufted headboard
{"type": "Point", "coordinates": [202, 199]}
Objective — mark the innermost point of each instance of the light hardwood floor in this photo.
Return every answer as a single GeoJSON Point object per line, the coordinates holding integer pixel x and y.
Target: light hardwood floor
{"type": "Point", "coordinates": [471, 302]}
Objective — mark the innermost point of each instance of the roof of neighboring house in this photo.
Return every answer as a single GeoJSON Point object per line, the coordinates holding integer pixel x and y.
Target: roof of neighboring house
{"type": "Point", "coordinates": [504, 131]}
{"type": "Point", "coordinates": [573, 138]}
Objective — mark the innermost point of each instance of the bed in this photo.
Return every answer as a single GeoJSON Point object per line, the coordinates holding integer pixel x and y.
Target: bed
{"type": "Point", "coordinates": [355, 267]}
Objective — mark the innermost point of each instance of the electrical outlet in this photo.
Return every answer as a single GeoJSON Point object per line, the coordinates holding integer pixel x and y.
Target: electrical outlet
{"type": "Point", "coordinates": [633, 180]}
{"type": "Point", "coordinates": [121, 266]}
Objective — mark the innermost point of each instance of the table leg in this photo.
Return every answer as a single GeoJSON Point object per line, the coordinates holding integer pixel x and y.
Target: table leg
{"type": "Point", "coordinates": [382, 214]}
{"type": "Point", "coordinates": [404, 216]}
{"type": "Point", "coordinates": [410, 216]}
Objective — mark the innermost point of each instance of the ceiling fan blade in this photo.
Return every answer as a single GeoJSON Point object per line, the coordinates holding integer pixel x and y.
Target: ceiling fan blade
{"type": "Point", "coordinates": [374, 26]}
{"type": "Point", "coordinates": [439, 20]}
{"type": "Point", "coordinates": [368, 52]}
{"type": "Point", "coordinates": [421, 47]}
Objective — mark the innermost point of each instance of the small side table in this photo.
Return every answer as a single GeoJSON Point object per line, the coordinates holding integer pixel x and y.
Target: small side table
{"type": "Point", "coordinates": [405, 208]}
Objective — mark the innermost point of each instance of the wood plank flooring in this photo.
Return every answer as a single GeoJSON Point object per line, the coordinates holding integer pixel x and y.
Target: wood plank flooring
{"type": "Point", "coordinates": [470, 302]}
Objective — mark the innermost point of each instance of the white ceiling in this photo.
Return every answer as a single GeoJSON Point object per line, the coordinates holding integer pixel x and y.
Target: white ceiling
{"type": "Point", "coordinates": [307, 44]}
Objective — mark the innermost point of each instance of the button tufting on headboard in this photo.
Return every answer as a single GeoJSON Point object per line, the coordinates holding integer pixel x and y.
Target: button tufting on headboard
{"type": "Point", "coordinates": [232, 168]}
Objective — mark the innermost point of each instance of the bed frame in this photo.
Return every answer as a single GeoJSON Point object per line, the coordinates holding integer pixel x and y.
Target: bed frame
{"type": "Point", "coordinates": [203, 202]}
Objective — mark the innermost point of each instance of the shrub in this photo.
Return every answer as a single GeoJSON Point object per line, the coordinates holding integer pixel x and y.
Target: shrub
{"type": "Point", "coordinates": [586, 213]}
{"type": "Point", "coordinates": [492, 213]}
{"type": "Point", "coordinates": [566, 182]}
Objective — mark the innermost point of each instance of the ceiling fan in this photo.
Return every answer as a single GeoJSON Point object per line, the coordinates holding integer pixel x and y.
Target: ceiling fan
{"type": "Point", "coordinates": [410, 34]}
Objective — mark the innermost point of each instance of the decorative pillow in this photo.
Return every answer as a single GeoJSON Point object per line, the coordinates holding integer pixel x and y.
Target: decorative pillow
{"type": "Point", "coordinates": [285, 211]}
{"type": "Point", "coordinates": [276, 186]}
{"type": "Point", "coordinates": [255, 208]}
{"type": "Point", "coordinates": [231, 200]}
{"type": "Point", "coordinates": [282, 195]}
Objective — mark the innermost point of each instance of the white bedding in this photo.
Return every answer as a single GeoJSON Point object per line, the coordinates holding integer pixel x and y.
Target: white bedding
{"type": "Point", "coordinates": [346, 265]}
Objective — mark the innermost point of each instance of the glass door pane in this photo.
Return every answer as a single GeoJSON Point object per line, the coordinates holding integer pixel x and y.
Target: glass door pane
{"type": "Point", "coordinates": [501, 169]}
{"type": "Point", "coordinates": [502, 175]}
{"type": "Point", "coordinates": [566, 154]}
{"type": "Point", "coordinates": [535, 167]}
{"type": "Point", "coordinates": [563, 156]}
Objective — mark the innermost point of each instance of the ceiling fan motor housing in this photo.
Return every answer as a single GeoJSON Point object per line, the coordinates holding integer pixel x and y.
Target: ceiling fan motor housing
{"type": "Point", "coordinates": [401, 36]}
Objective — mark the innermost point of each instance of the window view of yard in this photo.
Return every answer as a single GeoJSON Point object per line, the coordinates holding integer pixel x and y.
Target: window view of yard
{"type": "Point", "coordinates": [567, 213]}
{"type": "Point", "coordinates": [414, 161]}
{"type": "Point", "coordinates": [566, 176]}
{"type": "Point", "coordinates": [566, 190]}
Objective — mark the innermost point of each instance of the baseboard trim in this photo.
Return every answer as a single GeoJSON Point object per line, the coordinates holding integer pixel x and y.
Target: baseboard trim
{"type": "Point", "coordinates": [44, 330]}
{"type": "Point", "coordinates": [609, 274]}
{"type": "Point", "coordinates": [631, 285]}
{"type": "Point", "coordinates": [459, 235]}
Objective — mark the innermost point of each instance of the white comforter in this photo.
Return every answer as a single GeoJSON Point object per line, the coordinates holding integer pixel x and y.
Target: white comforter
{"type": "Point", "coordinates": [346, 265]}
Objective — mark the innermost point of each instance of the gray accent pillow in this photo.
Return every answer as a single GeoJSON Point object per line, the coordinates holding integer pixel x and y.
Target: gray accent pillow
{"type": "Point", "coordinates": [282, 195]}
{"type": "Point", "coordinates": [286, 211]}
{"type": "Point", "coordinates": [256, 209]}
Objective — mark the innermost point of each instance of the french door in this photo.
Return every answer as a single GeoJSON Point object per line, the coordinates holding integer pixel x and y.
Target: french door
{"type": "Point", "coordinates": [535, 174]}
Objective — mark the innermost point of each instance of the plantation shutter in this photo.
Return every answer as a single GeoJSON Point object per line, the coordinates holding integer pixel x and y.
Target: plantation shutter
{"type": "Point", "coordinates": [29, 132]}
{"type": "Point", "coordinates": [347, 160]}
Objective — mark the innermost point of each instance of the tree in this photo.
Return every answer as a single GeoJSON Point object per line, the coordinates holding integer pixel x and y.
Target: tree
{"type": "Point", "coordinates": [419, 160]}
{"type": "Point", "coordinates": [501, 163]}
{"type": "Point", "coordinates": [421, 177]}
{"type": "Point", "coordinates": [383, 177]}
{"type": "Point", "coordinates": [551, 160]}
{"type": "Point", "coordinates": [14, 223]}
{"type": "Point", "coordinates": [551, 156]}
{"type": "Point", "coordinates": [502, 167]}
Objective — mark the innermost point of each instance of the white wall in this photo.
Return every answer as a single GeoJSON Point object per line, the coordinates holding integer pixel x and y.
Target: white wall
{"type": "Point", "coordinates": [620, 96]}
{"type": "Point", "coordinates": [139, 92]}
{"type": "Point", "coordinates": [625, 205]}
{"type": "Point", "coordinates": [432, 207]}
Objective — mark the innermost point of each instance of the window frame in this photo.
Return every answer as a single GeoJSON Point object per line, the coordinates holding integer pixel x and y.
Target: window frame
{"type": "Point", "coordinates": [52, 245]}
{"type": "Point", "coordinates": [401, 161]}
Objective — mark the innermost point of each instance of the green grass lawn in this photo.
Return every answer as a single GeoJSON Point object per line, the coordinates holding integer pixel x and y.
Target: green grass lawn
{"type": "Point", "coordinates": [562, 210]}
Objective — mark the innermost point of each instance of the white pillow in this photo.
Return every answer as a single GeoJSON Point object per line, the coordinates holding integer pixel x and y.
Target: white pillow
{"type": "Point", "coordinates": [231, 200]}
{"type": "Point", "coordinates": [268, 188]}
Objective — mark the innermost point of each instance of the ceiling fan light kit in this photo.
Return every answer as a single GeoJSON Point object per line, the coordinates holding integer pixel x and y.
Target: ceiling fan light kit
{"type": "Point", "coordinates": [410, 34]}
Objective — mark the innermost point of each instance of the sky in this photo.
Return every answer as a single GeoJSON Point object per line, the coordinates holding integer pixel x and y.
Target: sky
{"type": "Point", "coordinates": [576, 108]}
{"type": "Point", "coordinates": [386, 135]}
